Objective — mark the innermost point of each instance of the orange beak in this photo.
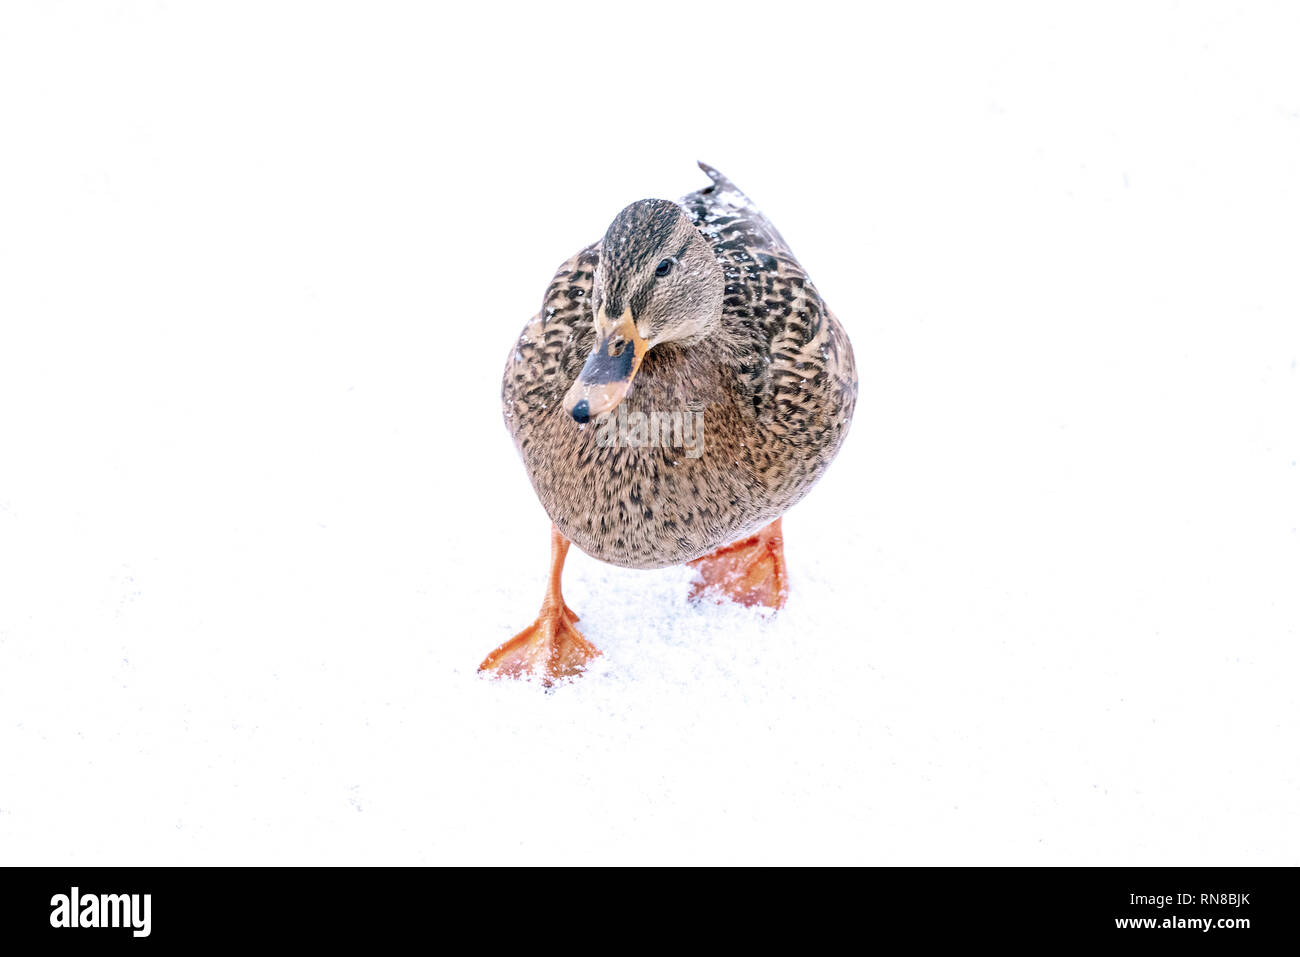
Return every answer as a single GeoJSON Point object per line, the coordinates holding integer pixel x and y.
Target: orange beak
{"type": "Point", "coordinates": [606, 378]}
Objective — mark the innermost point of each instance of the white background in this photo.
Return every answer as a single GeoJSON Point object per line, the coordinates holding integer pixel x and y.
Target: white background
{"type": "Point", "coordinates": [261, 264]}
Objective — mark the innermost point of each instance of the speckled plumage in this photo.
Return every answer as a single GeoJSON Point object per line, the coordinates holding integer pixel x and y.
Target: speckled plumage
{"type": "Point", "coordinates": [775, 386]}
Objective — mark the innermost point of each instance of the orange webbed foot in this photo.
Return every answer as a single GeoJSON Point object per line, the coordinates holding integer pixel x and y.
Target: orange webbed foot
{"type": "Point", "coordinates": [550, 648]}
{"type": "Point", "coordinates": [749, 572]}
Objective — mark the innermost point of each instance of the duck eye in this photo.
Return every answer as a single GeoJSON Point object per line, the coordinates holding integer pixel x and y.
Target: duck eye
{"type": "Point", "coordinates": [664, 268]}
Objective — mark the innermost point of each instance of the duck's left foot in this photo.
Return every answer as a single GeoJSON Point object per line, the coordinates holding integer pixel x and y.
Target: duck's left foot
{"type": "Point", "coordinates": [749, 572]}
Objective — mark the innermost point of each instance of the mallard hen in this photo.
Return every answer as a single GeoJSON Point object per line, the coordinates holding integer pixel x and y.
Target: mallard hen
{"type": "Point", "coordinates": [682, 386]}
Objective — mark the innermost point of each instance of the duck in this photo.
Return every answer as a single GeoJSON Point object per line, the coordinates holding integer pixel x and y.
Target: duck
{"type": "Point", "coordinates": [682, 386]}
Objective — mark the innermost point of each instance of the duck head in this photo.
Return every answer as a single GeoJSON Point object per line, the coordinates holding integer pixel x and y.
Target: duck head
{"type": "Point", "coordinates": [657, 281]}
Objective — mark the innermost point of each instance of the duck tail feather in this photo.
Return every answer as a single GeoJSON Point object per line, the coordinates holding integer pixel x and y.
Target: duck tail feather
{"type": "Point", "coordinates": [713, 174]}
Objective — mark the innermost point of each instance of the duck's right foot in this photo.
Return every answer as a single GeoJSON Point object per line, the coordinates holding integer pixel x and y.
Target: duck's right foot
{"type": "Point", "coordinates": [550, 648]}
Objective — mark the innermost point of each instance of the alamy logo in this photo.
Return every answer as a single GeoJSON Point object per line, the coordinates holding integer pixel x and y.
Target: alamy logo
{"type": "Point", "coordinates": [677, 429]}
{"type": "Point", "coordinates": [101, 910]}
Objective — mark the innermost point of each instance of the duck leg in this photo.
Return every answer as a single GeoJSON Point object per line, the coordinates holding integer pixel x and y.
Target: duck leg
{"type": "Point", "coordinates": [550, 648]}
{"type": "Point", "coordinates": [749, 572]}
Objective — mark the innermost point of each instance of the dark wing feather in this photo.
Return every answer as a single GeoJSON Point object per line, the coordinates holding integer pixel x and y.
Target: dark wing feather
{"type": "Point", "coordinates": [551, 349]}
{"type": "Point", "coordinates": [794, 359]}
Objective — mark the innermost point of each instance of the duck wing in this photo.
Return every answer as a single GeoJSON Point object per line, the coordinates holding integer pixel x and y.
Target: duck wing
{"type": "Point", "coordinates": [793, 359]}
{"type": "Point", "coordinates": [553, 346]}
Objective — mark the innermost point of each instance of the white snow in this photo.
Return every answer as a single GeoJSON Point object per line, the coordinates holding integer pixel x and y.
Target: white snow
{"type": "Point", "coordinates": [260, 520]}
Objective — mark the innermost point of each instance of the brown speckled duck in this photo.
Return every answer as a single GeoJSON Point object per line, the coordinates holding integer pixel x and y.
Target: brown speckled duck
{"type": "Point", "coordinates": [682, 386]}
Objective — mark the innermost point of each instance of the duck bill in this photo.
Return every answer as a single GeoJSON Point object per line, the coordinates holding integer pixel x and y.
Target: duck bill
{"type": "Point", "coordinates": [606, 378]}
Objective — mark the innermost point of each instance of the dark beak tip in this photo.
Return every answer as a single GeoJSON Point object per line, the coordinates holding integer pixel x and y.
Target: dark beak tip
{"type": "Point", "coordinates": [582, 411]}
